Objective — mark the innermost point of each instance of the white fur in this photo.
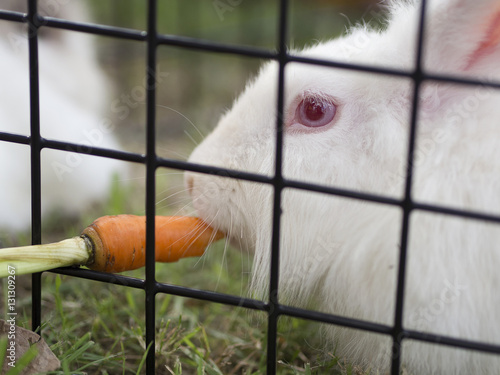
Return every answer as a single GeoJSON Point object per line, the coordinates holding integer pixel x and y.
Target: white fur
{"type": "Point", "coordinates": [345, 252]}
{"type": "Point", "coordinates": [74, 93]}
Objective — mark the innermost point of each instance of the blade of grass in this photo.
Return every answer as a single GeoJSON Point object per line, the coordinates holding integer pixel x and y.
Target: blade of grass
{"type": "Point", "coordinates": [58, 301]}
{"type": "Point", "coordinates": [143, 360]}
{"type": "Point", "coordinates": [97, 361]}
{"type": "Point", "coordinates": [78, 348]}
{"type": "Point", "coordinates": [3, 350]}
{"type": "Point", "coordinates": [206, 343]}
{"type": "Point", "coordinates": [123, 358]}
{"type": "Point", "coordinates": [187, 340]}
{"type": "Point", "coordinates": [164, 305]}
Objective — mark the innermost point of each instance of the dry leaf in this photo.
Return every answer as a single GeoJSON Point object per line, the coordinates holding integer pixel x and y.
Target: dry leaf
{"type": "Point", "coordinates": [22, 339]}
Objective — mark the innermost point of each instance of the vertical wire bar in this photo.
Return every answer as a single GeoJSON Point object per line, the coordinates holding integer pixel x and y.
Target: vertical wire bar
{"type": "Point", "coordinates": [272, 326]}
{"type": "Point", "coordinates": [151, 164]}
{"type": "Point", "coordinates": [36, 215]}
{"type": "Point", "coordinates": [398, 332]}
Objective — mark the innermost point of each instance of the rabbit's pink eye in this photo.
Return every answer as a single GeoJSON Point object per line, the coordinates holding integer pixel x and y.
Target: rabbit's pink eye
{"type": "Point", "coordinates": [315, 112]}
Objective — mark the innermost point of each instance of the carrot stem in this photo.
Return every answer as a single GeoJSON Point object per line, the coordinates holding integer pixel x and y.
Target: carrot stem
{"type": "Point", "coordinates": [38, 258]}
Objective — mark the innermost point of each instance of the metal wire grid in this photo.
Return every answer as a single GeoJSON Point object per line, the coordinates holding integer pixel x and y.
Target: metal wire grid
{"type": "Point", "coordinates": [272, 306]}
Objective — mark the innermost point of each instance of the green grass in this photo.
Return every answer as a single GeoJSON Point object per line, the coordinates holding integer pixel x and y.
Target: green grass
{"type": "Point", "coordinates": [98, 328]}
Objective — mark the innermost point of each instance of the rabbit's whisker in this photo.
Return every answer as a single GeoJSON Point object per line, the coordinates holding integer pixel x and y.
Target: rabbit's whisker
{"type": "Point", "coordinates": [184, 116]}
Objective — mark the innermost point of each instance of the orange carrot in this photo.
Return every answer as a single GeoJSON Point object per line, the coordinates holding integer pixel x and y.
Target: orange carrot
{"type": "Point", "coordinates": [118, 243]}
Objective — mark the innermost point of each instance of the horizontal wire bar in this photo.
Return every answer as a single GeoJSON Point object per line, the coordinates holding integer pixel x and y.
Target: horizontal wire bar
{"type": "Point", "coordinates": [92, 150]}
{"type": "Point", "coordinates": [334, 319]}
{"type": "Point", "coordinates": [13, 16]}
{"type": "Point", "coordinates": [422, 76]}
{"type": "Point", "coordinates": [15, 138]}
{"type": "Point", "coordinates": [211, 46]}
{"type": "Point", "coordinates": [468, 214]}
{"type": "Point", "coordinates": [90, 28]}
{"type": "Point", "coordinates": [451, 341]}
{"type": "Point", "coordinates": [75, 148]}
{"type": "Point", "coordinates": [448, 78]}
{"type": "Point", "coordinates": [350, 66]}
{"type": "Point", "coordinates": [436, 208]}
{"type": "Point", "coordinates": [96, 29]}
{"type": "Point", "coordinates": [109, 278]}
{"type": "Point", "coordinates": [181, 291]}
{"type": "Point", "coordinates": [341, 192]}
{"type": "Point", "coordinates": [218, 171]}
{"type": "Point", "coordinates": [204, 295]}
{"type": "Point", "coordinates": [386, 330]}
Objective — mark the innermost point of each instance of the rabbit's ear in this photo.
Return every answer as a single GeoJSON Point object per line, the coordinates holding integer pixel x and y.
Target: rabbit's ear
{"type": "Point", "coordinates": [463, 36]}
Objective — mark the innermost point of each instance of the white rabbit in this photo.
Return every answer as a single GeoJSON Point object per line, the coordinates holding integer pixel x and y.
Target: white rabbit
{"type": "Point", "coordinates": [73, 96]}
{"type": "Point", "coordinates": [350, 129]}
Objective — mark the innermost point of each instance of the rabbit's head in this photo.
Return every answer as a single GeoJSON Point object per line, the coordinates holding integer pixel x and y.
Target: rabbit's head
{"type": "Point", "coordinates": [349, 129]}
{"type": "Point", "coordinates": [342, 128]}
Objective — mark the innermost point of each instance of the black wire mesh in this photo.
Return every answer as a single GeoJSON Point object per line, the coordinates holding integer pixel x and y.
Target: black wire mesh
{"type": "Point", "coordinates": [272, 306]}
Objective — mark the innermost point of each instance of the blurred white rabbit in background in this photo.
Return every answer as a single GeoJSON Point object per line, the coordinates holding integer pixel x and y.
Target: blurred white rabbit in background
{"type": "Point", "coordinates": [74, 93]}
{"type": "Point", "coordinates": [350, 129]}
